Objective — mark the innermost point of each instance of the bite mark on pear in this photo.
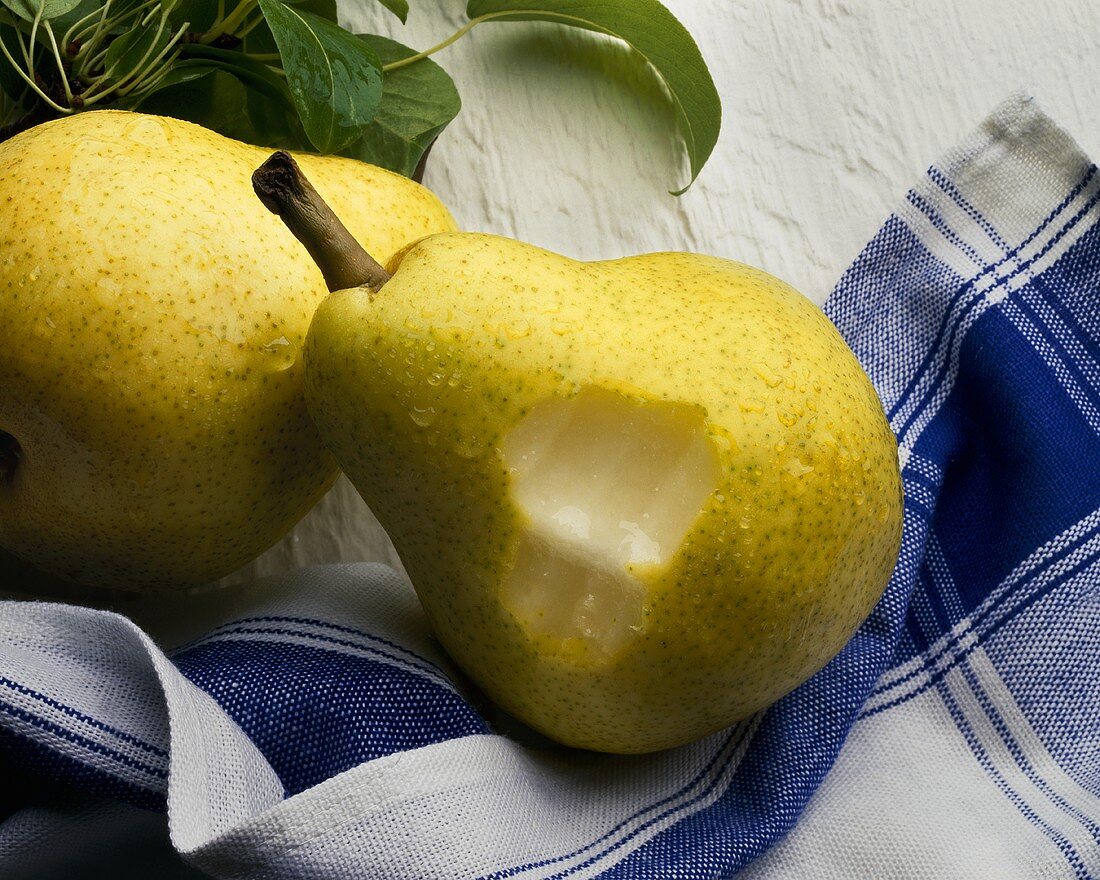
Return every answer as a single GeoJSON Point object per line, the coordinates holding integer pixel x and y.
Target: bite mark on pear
{"type": "Point", "coordinates": [608, 488]}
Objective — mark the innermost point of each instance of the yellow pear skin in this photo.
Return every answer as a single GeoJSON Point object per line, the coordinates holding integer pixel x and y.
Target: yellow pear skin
{"type": "Point", "coordinates": [151, 324]}
{"type": "Point", "coordinates": [639, 499]}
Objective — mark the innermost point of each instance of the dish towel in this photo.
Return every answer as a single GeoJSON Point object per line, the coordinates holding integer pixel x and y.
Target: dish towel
{"type": "Point", "coordinates": [315, 730]}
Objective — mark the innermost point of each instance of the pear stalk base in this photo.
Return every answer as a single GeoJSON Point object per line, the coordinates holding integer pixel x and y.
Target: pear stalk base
{"type": "Point", "coordinates": [286, 192]}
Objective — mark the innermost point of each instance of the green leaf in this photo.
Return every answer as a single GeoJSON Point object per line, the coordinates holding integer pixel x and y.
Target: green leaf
{"type": "Point", "coordinates": [61, 23]}
{"type": "Point", "coordinates": [133, 50]}
{"type": "Point", "coordinates": [324, 8]}
{"type": "Point", "coordinates": [400, 8]}
{"type": "Point", "coordinates": [335, 78]}
{"type": "Point", "coordinates": [418, 101]}
{"type": "Point", "coordinates": [212, 97]}
{"type": "Point", "coordinates": [182, 72]}
{"type": "Point", "coordinates": [11, 82]}
{"type": "Point", "coordinates": [184, 93]}
{"type": "Point", "coordinates": [259, 39]}
{"type": "Point", "coordinates": [650, 29]}
{"type": "Point", "coordinates": [276, 125]}
{"type": "Point", "coordinates": [199, 14]}
{"type": "Point", "coordinates": [28, 9]}
{"type": "Point", "coordinates": [232, 94]}
{"type": "Point", "coordinates": [215, 99]}
{"type": "Point", "coordinates": [253, 74]}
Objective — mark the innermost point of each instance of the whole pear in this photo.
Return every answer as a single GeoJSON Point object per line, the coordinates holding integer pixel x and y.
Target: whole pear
{"type": "Point", "coordinates": [153, 429]}
{"type": "Point", "coordinates": [639, 499]}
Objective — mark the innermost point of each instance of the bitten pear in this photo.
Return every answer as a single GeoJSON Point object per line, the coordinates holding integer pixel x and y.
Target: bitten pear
{"type": "Point", "coordinates": [639, 499]}
{"type": "Point", "coordinates": [153, 428]}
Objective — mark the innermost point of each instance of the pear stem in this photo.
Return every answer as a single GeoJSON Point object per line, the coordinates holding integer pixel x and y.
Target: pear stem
{"type": "Point", "coordinates": [285, 191]}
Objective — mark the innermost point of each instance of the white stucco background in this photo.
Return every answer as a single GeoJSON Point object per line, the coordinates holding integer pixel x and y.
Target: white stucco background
{"type": "Point", "coordinates": [831, 109]}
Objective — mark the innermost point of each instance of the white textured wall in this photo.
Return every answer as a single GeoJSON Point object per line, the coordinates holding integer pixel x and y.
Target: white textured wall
{"type": "Point", "coordinates": [832, 108]}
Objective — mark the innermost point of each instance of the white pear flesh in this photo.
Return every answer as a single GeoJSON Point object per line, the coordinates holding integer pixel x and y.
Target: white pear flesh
{"type": "Point", "coordinates": [610, 487]}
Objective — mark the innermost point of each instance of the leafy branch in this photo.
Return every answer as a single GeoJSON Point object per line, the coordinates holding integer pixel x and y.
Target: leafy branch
{"type": "Point", "coordinates": [284, 73]}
